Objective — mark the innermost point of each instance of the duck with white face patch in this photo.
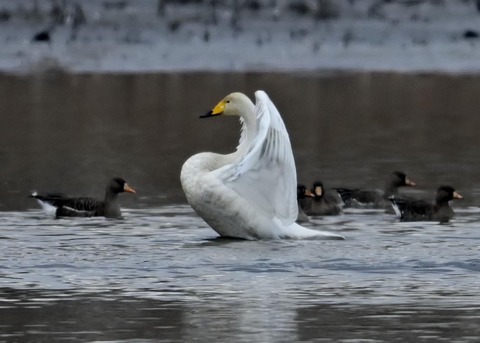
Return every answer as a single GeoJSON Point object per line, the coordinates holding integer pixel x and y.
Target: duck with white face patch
{"type": "Point", "coordinates": [325, 202]}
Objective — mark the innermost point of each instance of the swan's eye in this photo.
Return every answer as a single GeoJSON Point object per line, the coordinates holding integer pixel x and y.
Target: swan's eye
{"type": "Point", "coordinates": [228, 101]}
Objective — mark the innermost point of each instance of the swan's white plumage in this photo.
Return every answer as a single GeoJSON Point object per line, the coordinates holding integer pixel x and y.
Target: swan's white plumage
{"type": "Point", "coordinates": [250, 193]}
{"type": "Point", "coordinates": [269, 160]}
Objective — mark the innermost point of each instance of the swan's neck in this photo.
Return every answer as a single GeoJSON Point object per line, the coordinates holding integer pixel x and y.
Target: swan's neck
{"type": "Point", "coordinates": [207, 161]}
{"type": "Point", "coordinates": [248, 119]}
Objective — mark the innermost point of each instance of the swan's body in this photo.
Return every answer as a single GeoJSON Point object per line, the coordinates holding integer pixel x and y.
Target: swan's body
{"type": "Point", "coordinates": [250, 193]}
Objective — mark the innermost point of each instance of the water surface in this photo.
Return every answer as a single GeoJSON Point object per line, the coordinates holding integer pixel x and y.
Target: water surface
{"type": "Point", "coordinates": [161, 274]}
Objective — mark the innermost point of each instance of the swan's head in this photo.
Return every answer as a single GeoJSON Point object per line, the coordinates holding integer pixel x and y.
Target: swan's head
{"type": "Point", "coordinates": [234, 104]}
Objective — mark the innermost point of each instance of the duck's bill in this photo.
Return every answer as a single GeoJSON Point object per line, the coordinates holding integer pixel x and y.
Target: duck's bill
{"type": "Point", "coordinates": [457, 196]}
{"type": "Point", "coordinates": [128, 189]}
{"type": "Point", "coordinates": [309, 193]}
{"type": "Point", "coordinates": [410, 183]}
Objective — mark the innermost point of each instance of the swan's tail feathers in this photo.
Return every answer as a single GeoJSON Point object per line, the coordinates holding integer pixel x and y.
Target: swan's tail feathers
{"type": "Point", "coordinates": [328, 235]}
{"type": "Point", "coordinates": [300, 232]}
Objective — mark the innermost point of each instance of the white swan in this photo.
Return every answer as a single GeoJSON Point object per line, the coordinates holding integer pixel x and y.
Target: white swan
{"type": "Point", "coordinates": [251, 193]}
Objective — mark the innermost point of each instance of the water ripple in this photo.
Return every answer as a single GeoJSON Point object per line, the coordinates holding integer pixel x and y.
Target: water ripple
{"type": "Point", "coordinates": [168, 256]}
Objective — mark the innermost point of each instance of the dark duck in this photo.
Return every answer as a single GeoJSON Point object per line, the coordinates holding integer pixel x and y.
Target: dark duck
{"type": "Point", "coordinates": [323, 203]}
{"type": "Point", "coordinates": [375, 198]}
{"type": "Point", "coordinates": [65, 206]}
{"type": "Point", "coordinates": [302, 194]}
{"type": "Point", "coordinates": [422, 210]}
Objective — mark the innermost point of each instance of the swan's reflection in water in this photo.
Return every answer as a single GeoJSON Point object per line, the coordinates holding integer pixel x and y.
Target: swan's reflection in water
{"type": "Point", "coordinates": [99, 317]}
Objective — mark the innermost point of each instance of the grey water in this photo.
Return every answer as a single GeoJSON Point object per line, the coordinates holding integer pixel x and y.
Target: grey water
{"type": "Point", "coordinates": [161, 274]}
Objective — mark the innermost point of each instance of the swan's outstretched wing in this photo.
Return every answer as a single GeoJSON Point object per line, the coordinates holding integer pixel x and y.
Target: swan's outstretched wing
{"type": "Point", "coordinates": [266, 175]}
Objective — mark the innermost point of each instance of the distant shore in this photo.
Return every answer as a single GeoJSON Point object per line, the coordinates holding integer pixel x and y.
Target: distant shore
{"type": "Point", "coordinates": [122, 36]}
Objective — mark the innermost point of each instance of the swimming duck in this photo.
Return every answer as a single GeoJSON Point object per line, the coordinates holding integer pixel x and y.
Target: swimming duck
{"type": "Point", "coordinates": [421, 210]}
{"type": "Point", "coordinates": [324, 201]}
{"type": "Point", "coordinates": [249, 193]}
{"type": "Point", "coordinates": [359, 198]}
{"type": "Point", "coordinates": [303, 193]}
{"type": "Point", "coordinates": [64, 206]}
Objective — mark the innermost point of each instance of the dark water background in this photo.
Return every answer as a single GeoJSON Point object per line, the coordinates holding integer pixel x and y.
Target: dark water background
{"type": "Point", "coordinates": [72, 133]}
{"type": "Point", "coordinates": [160, 274]}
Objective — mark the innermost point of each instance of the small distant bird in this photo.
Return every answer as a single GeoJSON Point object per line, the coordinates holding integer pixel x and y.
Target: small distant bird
{"type": "Point", "coordinates": [64, 206]}
{"type": "Point", "coordinates": [42, 37]}
{"type": "Point", "coordinates": [5, 15]}
{"type": "Point", "coordinates": [471, 34]}
{"type": "Point", "coordinates": [422, 210]}
{"type": "Point", "coordinates": [174, 25]}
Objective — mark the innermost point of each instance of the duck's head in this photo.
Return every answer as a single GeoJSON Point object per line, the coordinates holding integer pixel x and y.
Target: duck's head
{"type": "Point", "coordinates": [119, 185]}
{"type": "Point", "coordinates": [234, 104]}
{"type": "Point", "coordinates": [317, 189]}
{"type": "Point", "coordinates": [303, 192]}
{"type": "Point", "coordinates": [398, 179]}
{"type": "Point", "coordinates": [447, 193]}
